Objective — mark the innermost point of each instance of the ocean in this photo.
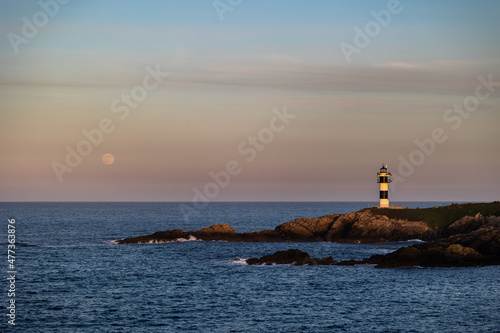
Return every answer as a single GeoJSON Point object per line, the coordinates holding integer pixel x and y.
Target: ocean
{"type": "Point", "coordinates": [71, 277]}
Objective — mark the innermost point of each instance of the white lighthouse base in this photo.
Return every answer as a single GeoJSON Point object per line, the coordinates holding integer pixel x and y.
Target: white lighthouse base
{"type": "Point", "coordinates": [384, 203]}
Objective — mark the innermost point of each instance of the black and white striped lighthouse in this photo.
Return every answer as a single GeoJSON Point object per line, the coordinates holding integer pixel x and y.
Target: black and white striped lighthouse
{"type": "Point", "coordinates": [384, 180]}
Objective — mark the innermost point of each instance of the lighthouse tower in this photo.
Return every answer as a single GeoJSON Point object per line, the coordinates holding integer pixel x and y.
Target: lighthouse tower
{"type": "Point", "coordinates": [384, 180]}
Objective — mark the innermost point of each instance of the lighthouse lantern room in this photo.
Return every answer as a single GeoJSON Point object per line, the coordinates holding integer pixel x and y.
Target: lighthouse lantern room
{"type": "Point", "coordinates": [384, 180]}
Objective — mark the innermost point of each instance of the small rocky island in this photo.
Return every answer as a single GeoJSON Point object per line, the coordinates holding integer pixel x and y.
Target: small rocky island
{"type": "Point", "coordinates": [455, 235]}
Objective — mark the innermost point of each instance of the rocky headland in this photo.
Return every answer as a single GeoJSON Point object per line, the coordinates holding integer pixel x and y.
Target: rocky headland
{"type": "Point", "coordinates": [470, 241]}
{"type": "Point", "coordinates": [473, 241]}
{"type": "Point", "coordinates": [455, 235]}
{"type": "Point", "coordinates": [357, 227]}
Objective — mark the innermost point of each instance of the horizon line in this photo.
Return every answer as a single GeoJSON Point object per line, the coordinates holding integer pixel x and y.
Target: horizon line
{"type": "Point", "coordinates": [237, 201]}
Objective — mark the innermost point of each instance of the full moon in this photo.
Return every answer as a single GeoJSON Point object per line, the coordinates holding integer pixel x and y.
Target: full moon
{"type": "Point", "coordinates": [108, 159]}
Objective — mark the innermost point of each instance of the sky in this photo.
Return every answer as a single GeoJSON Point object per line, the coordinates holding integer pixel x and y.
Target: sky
{"type": "Point", "coordinates": [249, 100]}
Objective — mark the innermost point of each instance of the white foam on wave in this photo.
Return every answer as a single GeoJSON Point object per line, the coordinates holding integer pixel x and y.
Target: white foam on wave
{"type": "Point", "coordinates": [113, 242]}
{"type": "Point", "coordinates": [382, 251]}
{"type": "Point", "coordinates": [190, 239]}
{"type": "Point", "coordinates": [414, 241]}
{"type": "Point", "coordinates": [178, 240]}
{"type": "Point", "coordinates": [239, 261]}
{"type": "Point", "coordinates": [154, 241]}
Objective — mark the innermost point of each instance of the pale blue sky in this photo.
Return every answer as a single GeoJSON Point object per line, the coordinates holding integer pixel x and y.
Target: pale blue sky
{"type": "Point", "coordinates": [225, 79]}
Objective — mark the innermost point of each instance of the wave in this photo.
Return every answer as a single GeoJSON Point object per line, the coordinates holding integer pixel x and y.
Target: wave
{"type": "Point", "coordinates": [403, 242]}
{"type": "Point", "coordinates": [239, 261]}
{"type": "Point", "coordinates": [414, 241]}
{"type": "Point", "coordinates": [242, 261]}
{"type": "Point", "coordinates": [178, 240]}
{"type": "Point", "coordinates": [155, 241]}
{"type": "Point", "coordinates": [190, 239]}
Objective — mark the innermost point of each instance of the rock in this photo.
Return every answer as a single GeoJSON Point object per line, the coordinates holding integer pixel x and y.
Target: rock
{"type": "Point", "coordinates": [222, 228]}
{"type": "Point", "coordinates": [307, 227]}
{"type": "Point", "coordinates": [477, 236]}
{"type": "Point", "coordinates": [469, 241]}
{"type": "Point", "coordinates": [293, 256]}
{"type": "Point", "coordinates": [477, 248]}
{"type": "Point", "coordinates": [290, 257]}
{"type": "Point", "coordinates": [157, 237]}
{"type": "Point", "coordinates": [459, 250]}
{"type": "Point", "coordinates": [356, 227]}
{"type": "Point", "coordinates": [176, 233]}
{"type": "Point", "coordinates": [474, 241]}
{"type": "Point", "coordinates": [462, 225]}
{"type": "Point", "coordinates": [323, 261]}
{"type": "Point", "coordinates": [363, 226]}
{"type": "Point", "coordinates": [404, 257]}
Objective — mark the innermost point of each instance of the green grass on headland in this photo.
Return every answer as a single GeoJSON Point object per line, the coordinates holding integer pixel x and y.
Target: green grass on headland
{"type": "Point", "coordinates": [441, 216]}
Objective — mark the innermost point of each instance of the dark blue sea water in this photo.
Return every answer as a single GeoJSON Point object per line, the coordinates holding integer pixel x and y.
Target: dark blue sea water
{"type": "Point", "coordinates": [71, 278]}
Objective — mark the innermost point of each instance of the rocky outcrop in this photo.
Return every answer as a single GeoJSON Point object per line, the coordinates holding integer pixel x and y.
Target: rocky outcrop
{"type": "Point", "coordinates": [290, 257]}
{"type": "Point", "coordinates": [217, 232]}
{"type": "Point", "coordinates": [469, 241]}
{"type": "Point", "coordinates": [463, 225]}
{"type": "Point", "coordinates": [357, 227]}
{"type": "Point", "coordinates": [222, 228]}
{"type": "Point", "coordinates": [365, 227]}
{"type": "Point", "coordinates": [307, 227]}
{"type": "Point", "coordinates": [477, 245]}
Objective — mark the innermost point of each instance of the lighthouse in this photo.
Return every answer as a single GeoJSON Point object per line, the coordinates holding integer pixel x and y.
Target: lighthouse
{"type": "Point", "coordinates": [384, 180]}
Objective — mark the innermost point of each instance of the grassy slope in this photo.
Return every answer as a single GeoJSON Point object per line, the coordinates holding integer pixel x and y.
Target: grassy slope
{"type": "Point", "coordinates": [441, 216]}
